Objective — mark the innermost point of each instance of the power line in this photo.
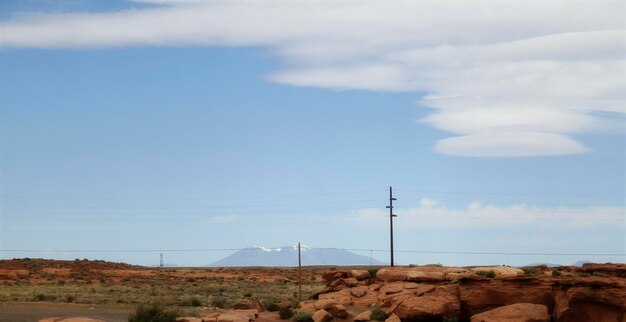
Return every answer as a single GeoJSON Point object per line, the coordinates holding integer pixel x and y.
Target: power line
{"type": "Point", "coordinates": [190, 207]}
{"type": "Point", "coordinates": [518, 194]}
{"type": "Point", "coordinates": [191, 199]}
{"type": "Point", "coordinates": [323, 248]}
{"type": "Point", "coordinates": [313, 217]}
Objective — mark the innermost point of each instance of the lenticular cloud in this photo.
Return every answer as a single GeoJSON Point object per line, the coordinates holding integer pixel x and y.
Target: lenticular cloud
{"type": "Point", "coordinates": [514, 78]}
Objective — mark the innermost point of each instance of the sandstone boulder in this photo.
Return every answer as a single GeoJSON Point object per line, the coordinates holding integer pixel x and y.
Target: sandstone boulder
{"type": "Point", "coordinates": [325, 304]}
{"type": "Point", "coordinates": [479, 296]}
{"type": "Point", "coordinates": [51, 319]}
{"type": "Point", "coordinates": [338, 311]}
{"type": "Point", "coordinates": [393, 318]}
{"type": "Point", "coordinates": [596, 302]}
{"type": "Point", "coordinates": [422, 276]}
{"type": "Point", "coordinates": [521, 312]}
{"type": "Point", "coordinates": [308, 305]}
{"type": "Point", "coordinates": [321, 316]}
{"type": "Point", "coordinates": [392, 274]}
{"type": "Point", "coordinates": [359, 274]}
{"type": "Point", "coordinates": [363, 316]}
{"type": "Point", "coordinates": [334, 275]}
{"type": "Point", "coordinates": [366, 300]}
{"type": "Point", "coordinates": [441, 301]}
{"type": "Point", "coordinates": [342, 297]}
{"type": "Point", "coordinates": [348, 282]}
{"type": "Point", "coordinates": [359, 291]}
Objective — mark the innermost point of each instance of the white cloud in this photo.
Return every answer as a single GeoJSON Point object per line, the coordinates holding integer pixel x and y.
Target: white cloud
{"type": "Point", "coordinates": [509, 144]}
{"type": "Point", "coordinates": [432, 215]}
{"type": "Point", "coordinates": [514, 78]}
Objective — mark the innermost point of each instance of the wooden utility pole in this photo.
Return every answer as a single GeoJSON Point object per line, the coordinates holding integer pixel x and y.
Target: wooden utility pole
{"type": "Point", "coordinates": [299, 275]}
{"type": "Point", "coordinates": [391, 215]}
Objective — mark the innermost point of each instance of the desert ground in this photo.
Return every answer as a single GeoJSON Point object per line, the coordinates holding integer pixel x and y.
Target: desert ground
{"type": "Point", "coordinates": [34, 289]}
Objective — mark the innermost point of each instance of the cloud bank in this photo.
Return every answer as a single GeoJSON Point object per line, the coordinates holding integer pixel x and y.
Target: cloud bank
{"type": "Point", "coordinates": [506, 79]}
{"type": "Point", "coordinates": [432, 215]}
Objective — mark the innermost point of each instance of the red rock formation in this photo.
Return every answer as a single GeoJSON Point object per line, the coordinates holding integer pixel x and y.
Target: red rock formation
{"type": "Point", "coordinates": [443, 291]}
{"type": "Point", "coordinates": [521, 312]}
{"type": "Point", "coordinates": [480, 295]}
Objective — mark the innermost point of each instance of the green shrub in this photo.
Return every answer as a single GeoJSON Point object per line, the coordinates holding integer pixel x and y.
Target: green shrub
{"type": "Point", "coordinates": [272, 307]}
{"type": "Point", "coordinates": [218, 301]}
{"type": "Point", "coordinates": [531, 271]}
{"type": "Point", "coordinates": [285, 313]}
{"type": "Point", "coordinates": [450, 318]}
{"type": "Point", "coordinates": [372, 272]}
{"type": "Point", "coordinates": [44, 297]}
{"type": "Point", "coordinates": [302, 316]}
{"type": "Point", "coordinates": [556, 273]}
{"type": "Point", "coordinates": [378, 314]}
{"type": "Point", "coordinates": [196, 301]}
{"type": "Point", "coordinates": [152, 313]}
{"type": "Point", "coordinates": [599, 274]}
{"type": "Point", "coordinates": [488, 274]}
{"type": "Point", "coordinates": [70, 298]}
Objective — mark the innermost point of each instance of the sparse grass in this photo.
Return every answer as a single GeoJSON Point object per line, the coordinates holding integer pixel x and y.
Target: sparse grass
{"type": "Point", "coordinates": [488, 274]}
{"type": "Point", "coordinates": [219, 301]}
{"type": "Point", "coordinates": [135, 290]}
{"type": "Point", "coordinates": [152, 313]}
{"type": "Point", "coordinates": [531, 271]}
{"type": "Point", "coordinates": [302, 316]}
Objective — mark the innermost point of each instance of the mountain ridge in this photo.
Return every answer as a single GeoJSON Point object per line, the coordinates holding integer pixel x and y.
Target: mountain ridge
{"type": "Point", "coordinates": [287, 256]}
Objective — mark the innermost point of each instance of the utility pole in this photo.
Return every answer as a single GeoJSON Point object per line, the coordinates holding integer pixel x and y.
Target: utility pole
{"type": "Point", "coordinates": [299, 275]}
{"type": "Point", "coordinates": [391, 215]}
{"type": "Point", "coordinates": [161, 262]}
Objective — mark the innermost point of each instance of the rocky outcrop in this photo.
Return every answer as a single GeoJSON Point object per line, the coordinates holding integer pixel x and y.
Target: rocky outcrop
{"type": "Point", "coordinates": [610, 269]}
{"type": "Point", "coordinates": [248, 315]}
{"type": "Point", "coordinates": [521, 312]}
{"type": "Point", "coordinates": [321, 316]}
{"type": "Point", "coordinates": [486, 294]}
{"type": "Point", "coordinates": [425, 293]}
{"type": "Point", "coordinates": [440, 301]}
{"type": "Point", "coordinates": [363, 316]}
{"type": "Point", "coordinates": [393, 318]}
{"type": "Point", "coordinates": [597, 301]}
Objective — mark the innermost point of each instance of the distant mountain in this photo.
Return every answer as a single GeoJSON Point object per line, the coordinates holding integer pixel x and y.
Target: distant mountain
{"type": "Point", "coordinates": [288, 256]}
{"type": "Point", "coordinates": [580, 263]}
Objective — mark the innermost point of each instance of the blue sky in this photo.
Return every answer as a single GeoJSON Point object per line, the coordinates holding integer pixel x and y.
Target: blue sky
{"type": "Point", "coordinates": [167, 125]}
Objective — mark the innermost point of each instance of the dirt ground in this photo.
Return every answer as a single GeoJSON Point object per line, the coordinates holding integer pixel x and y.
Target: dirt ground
{"type": "Point", "coordinates": [31, 289]}
{"type": "Point", "coordinates": [21, 312]}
